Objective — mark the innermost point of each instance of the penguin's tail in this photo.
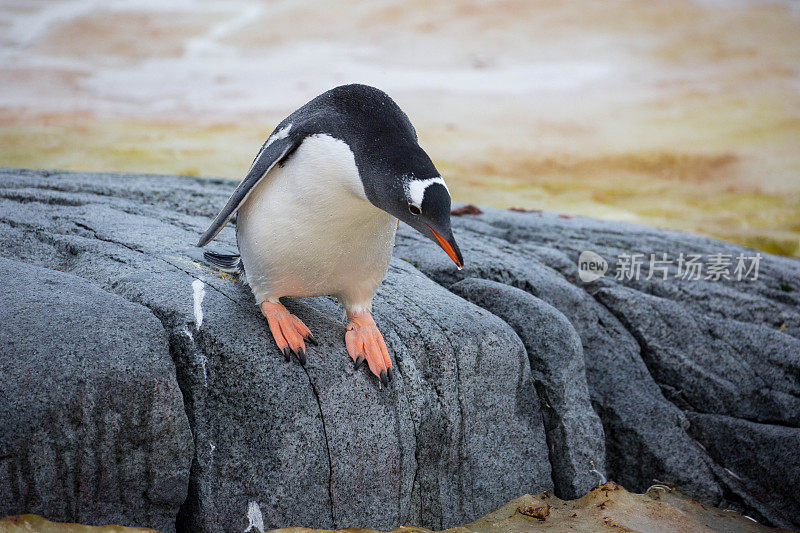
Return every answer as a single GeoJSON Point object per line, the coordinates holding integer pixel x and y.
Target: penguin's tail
{"type": "Point", "coordinates": [228, 263]}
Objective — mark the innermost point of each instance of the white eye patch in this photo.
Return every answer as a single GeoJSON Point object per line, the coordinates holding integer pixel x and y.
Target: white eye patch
{"type": "Point", "coordinates": [415, 189]}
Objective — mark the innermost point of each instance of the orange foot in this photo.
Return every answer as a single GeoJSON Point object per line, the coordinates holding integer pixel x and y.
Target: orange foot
{"type": "Point", "coordinates": [365, 343]}
{"type": "Point", "coordinates": [288, 331]}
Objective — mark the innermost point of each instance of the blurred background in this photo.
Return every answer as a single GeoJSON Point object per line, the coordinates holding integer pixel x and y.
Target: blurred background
{"type": "Point", "coordinates": [679, 114]}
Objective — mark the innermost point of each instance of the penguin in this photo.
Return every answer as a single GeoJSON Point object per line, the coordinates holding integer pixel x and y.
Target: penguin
{"type": "Point", "coordinates": [318, 210]}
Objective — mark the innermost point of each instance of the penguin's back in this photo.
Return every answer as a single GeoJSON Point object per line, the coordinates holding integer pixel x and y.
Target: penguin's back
{"type": "Point", "coordinates": [355, 113]}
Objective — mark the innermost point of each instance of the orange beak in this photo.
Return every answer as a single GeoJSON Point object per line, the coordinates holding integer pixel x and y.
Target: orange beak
{"type": "Point", "coordinates": [448, 249]}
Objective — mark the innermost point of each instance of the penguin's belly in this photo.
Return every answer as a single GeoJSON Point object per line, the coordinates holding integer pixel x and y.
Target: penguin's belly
{"type": "Point", "coordinates": [306, 230]}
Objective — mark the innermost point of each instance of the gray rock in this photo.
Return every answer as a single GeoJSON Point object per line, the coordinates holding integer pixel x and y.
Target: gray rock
{"type": "Point", "coordinates": [715, 365]}
{"type": "Point", "coordinates": [754, 324]}
{"type": "Point", "coordinates": [574, 432]}
{"type": "Point", "coordinates": [760, 460]}
{"type": "Point", "coordinates": [461, 429]}
{"type": "Point", "coordinates": [456, 434]}
{"type": "Point", "coordinates": [93, 425]}
{"type": "Point", "coordinates": [639, 448]}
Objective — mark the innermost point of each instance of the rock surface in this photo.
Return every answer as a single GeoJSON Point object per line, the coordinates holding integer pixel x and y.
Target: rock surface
{"type": "Point", "coordinates": [668, 364]}
{"type": "Point", "coordinates": [574, 431]}
{"type": "Point", "coordinates": [649, 346]}
{"type": "Point", "coordinates": [93, 424]}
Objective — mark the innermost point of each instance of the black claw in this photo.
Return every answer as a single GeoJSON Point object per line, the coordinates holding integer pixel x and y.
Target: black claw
{"type": "Point", "coordinates": [286, 354]}
{"type": "Point", "coordinates": [359, 361]}
{"type": "Point", "coordinates": [389, 373]}
{"type": "Point", "coordinates": [399, 358]}
{"type": "Point", "coordinates": [311, 339]}
{"type": "Point", "coordinates": [384, 379]}
{"type": "Point", "coordinates": [301, 354]}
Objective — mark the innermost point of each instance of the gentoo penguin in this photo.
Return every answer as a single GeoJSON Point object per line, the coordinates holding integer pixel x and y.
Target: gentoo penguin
{"type": "Point", "coordinates": [318, 210]}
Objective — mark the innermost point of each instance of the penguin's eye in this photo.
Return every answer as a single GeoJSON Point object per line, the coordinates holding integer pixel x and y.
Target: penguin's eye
{"type": "Point", "coordinates": [414, 210]}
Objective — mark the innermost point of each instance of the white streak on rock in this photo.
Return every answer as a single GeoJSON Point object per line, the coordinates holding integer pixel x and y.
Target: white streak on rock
{"type": "Point", "coordinates": [199, 292]}
{"type": "Point", "coordinates": [203, 359]}
{"type": "Point", "coordinates": [255, 517]}
{"type": "Point", "coordinates": [732, 474]}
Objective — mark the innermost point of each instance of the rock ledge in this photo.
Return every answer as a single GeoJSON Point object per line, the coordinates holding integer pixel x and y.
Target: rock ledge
{"type": "Point", "coordinates": [513, 376]}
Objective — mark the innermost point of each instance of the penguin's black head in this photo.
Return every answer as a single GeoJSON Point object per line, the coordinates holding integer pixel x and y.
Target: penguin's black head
{"type": "Point", "coordinates": [396, 173]}
{"type": "Point", "coordinates": [421, 202]}
{"type": "Point", "coordinates": [427, 209]}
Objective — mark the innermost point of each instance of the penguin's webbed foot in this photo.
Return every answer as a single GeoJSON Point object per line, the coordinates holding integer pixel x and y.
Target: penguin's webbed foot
{"type": "Point", "coordinates": [288, 331]}
{"type": "Point", "coordinates": [365, 344]}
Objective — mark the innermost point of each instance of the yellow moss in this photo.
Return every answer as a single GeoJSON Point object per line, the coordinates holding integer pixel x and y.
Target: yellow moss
{"type": "Point", "coordinates": [695, 191]}
{"type": "Point", "coordinates": [608, 507]}
{"type": "Point", "coordinates": [32, 523]}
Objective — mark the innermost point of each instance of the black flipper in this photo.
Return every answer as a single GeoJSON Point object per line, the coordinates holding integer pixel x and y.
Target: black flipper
{"type": "Point", "coordinates": [277, 147]}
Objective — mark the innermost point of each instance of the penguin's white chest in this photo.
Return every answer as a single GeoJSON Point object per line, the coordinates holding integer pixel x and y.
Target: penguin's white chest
{"type": "Point", "coordinates": [307, 229]}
